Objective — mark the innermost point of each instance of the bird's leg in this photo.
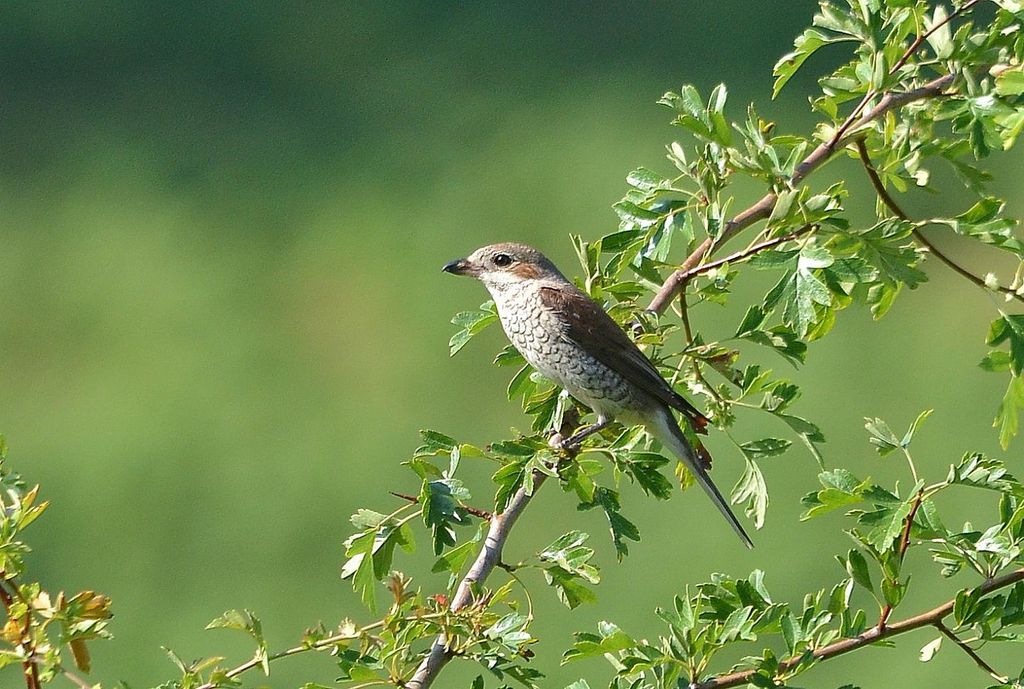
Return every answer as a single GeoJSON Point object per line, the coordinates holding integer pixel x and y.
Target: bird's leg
{"type": "Point", "coordinates": [576, 438]}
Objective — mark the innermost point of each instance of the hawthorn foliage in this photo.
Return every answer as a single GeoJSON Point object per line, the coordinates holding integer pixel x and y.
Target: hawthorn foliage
{"type": "Point", "coordinates": [924, 86]}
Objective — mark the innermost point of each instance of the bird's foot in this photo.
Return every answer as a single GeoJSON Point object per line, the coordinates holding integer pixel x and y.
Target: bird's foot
{"type": "Point", "coordinates": [567, 445]}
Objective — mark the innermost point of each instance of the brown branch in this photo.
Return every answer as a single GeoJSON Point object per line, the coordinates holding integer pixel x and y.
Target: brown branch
{"type": "Point", "coordinates": [865, 638]}
{"type": "Point", "coordinates": [763, 208]}
{"type": "Point", "coordinates": [744, 254]}
{"type": "Point", "coordinates": [948, 633]}
{"type": "Point", "coordinates": [475, 511]}
{"type": "Point", "coordinates": [921, 38]}
{"type": "Point", "coordinates": [29, 669]}
{"type": "Point", "coordinates": [486, 560]}
{"type": "Point", "coordinates": [908, 524]}
{"type": "Point", "coordinates": [890, 203]}
{"type": "Point", "coordinates": [907, 54]}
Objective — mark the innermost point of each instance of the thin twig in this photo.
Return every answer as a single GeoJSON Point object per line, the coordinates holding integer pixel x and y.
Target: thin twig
{"type": "Point", "coordinates": [890, 203]}
{"type": "Point", "coordinates": [75, 679]}
{"type": "Point", "coordinates": [475, 511]}
{"type": "Point", "coordinates": [921, 38]}
{"type": "Point", "coordinates": [745, 253]}
{"type": "Point", "coordinates": [865, 638]}
{"type": "Point", "coordinates": [908, 524]}
{"type": "Point", "coordinates": [948, 633]}
{"type": "Point", "coordinates": [304, 648]}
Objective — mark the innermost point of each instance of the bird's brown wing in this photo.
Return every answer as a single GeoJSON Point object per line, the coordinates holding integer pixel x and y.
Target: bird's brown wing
{"type": "Point", "coordinates": [594, 330]}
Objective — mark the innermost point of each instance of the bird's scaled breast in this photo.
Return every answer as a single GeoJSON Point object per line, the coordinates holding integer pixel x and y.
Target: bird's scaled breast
{"type": "Point", "coordinates": [540, 334]}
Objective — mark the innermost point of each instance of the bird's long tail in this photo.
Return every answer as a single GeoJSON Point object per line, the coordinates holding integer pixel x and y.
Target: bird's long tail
{"type": "Point", "coordinates": [665, 428]}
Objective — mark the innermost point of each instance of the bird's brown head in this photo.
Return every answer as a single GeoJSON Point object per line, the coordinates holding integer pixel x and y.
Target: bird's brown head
{"type": "Point", "coordinates": [499, 265]}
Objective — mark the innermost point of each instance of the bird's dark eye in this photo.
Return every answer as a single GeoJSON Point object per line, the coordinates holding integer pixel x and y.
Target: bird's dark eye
{"type": "Point", "coordinates": [502, 260]}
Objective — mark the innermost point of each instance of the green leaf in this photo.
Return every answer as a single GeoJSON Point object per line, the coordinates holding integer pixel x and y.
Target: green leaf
{"type": "Point", "coordinates": [857, 568]}
{"type": "Point", "coordinates": [455, 559]}
{"type": "Point", "coordinates": [607, 500]}
{"type": "Point", "coordinates": [808, 433]}
{"type": "Point", "coordinates": [510, 630]}
{"type": "Point", "coordinates": [648, 180]}
{"type": "Point", "coordinates": [889, 249]}
{"type": "Point", "coordinates": [909, 436]}
{"type": "Point", "coordinates": [569, 553]}
{"type": "Point", "coordinates": [521, 384]}
{"type": "Point", "coordinates": [881, 436]}
{"type": "Point", "coordinates": [359, 566]}
{"type": "Point", "coordinates": [985, 222]}
{"type": "Point", "coordinates": [246, 621]}
{"type": "Point", "coordinates": [609, 640]}
{"type": "Point", "coordinates": [471, 323]}
{"type": "Point", "coordinates": [645, 468]}
{"type": "Point", "coordinates": [887, 524]}
{"type": "Point", "coordinates": [752, 490]}
{"type": "Point", "coordinates": [441, 510]}
{"type": "Point", "coordinates": [570, 590]}
{"type": "Point", "coordinates": [434, 444]}
{"type": "Point", "coordinates": [805, 45]}
{"type": "Point", "coordinates": [978, 471]}
{"type": "Point", "coordinates": [840, 488]}
{"type": "Point", "coordinates": [1006, 416]}
{"type": "Point", "coordinates": [737, 625]}
{"type": "Point", "coordinates": [509, 356]}
{"type": "Point", "coordinates": [765, 447]}
{"type": "Point", "coordinates": [996, 361]}
{"type": "Point", "coordinates": [633, 213]}
{"type": "Point", "coordinates": [1010, 82]}
{"type": "Point", "coordinates": [938, 33]}
{"type": "Point", "coordinates": [367, 519]}
{"type": "Point", "coordinates": [716, 113]}
{"type": "Point", "coordinates": [1009, 328]}
{"type": "Point", "coordinates": [800, 291]}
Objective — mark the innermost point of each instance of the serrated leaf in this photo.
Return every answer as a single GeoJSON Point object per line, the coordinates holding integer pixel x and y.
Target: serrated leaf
{"type": "Point", "coordinates": [607, 500]}
{"type": "Point", "coordinates": [909, 435]}
{"type": "Point", "coordinates": [881, 436]}
{"type": "Point", "coordinates": [1009, 328]}
{"type": "Point", "coordinates": [765, 447]}
{"type": "Point", "coordinates": [1006, 416]}
{"type": "Point", "coordinates": [804, 46]}
{"type": "Point", "coordinates": [752, 490]}
{"type": "Point", "coordinates": [569, 553]}
{"type": "Point", "coordinates": [441, 510]}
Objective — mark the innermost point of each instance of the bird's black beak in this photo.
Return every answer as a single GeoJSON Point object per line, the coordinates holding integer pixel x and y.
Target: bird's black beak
{"type": "Point", "coordinates": [460, 267]}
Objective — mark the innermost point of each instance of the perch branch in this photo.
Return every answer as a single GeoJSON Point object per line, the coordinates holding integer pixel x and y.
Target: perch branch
{"type": "Point", "coordinates": [486, 560]}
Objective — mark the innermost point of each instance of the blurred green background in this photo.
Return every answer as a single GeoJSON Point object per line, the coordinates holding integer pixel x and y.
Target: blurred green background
{"type": "Point", "coordinates": [223, 318]}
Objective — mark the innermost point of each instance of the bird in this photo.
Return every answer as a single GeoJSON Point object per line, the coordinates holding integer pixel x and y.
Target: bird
{"type": "Point", "coordinates": [570, 339]}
